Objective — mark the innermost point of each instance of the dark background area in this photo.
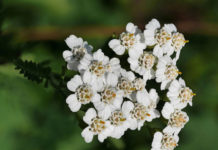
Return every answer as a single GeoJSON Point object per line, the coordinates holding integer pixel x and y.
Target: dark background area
{"type": "Point", "coordinates": [36, 118]}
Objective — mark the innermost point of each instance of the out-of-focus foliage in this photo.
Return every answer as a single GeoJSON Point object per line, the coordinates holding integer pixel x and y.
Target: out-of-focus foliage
{"type": "Point", "coordinates": [34, 117]}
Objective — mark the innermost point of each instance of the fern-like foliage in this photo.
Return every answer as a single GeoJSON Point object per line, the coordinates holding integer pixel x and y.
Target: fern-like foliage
{"type": "Point", "coordinates": [33, 71]}
{"type": "Point", "coordinates": [40, 73]}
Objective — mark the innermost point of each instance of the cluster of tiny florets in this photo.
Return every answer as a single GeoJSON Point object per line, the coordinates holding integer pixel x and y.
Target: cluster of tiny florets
{"type": "Point", "coordinates": [119, 98]}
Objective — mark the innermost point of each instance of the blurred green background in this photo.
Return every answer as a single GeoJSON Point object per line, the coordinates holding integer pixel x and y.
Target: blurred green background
{"type": "Point", "coordinates": [36, 118]}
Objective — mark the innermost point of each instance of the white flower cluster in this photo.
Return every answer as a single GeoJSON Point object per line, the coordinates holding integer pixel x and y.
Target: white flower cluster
{"type": "Point", "coordinates": [118, 98]}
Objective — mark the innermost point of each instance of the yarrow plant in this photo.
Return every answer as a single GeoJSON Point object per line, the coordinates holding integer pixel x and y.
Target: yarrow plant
{"type": "Point", "coordinates": [118, 99]}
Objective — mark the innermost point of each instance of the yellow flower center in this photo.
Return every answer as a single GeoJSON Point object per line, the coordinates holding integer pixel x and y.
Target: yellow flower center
{"type": "Point", "coordinates": [172, 72]}
{"type": "Point", "coordinates": [178, 41]}
{"type": "Point", "coordinates": [146, 60]}
{"type": "Point", "coordinates": [168, 142]}
{"type": "Point", "coordinates": [139, 112]}
{"type": "Point", "coordinates": [108, 95]}
{"type": "Point", "coordinates": [78, 53]}
{"type": "Point", "coordinates": [178, 119]}
{"type": "Point", "coordinates": [127, 40]}
{"type": "Point", "coordinates": [139, 84]}
{"type": "Point", "coordinates": [126, 86]}
{"type": "Point", "coordinates": [84, 93]}
{"type": "Point", "coordinates": [97, 125]}
{"type": "Point", "coordinates": [162, 37]}
{"type": "Point", "coordinates": [117, 118]}
{"type": "Point", "coordinates": [97, 68]}
{"type": "Point", "coordinates": [186, 95]}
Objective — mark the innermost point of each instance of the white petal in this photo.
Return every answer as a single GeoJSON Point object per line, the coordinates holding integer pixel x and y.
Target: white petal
{"type": "Point", "coordinates": [165, 60]}
{"type": "Point", "coordinates": [87, 135]}
{"type": "Point", "coordinates": [127, 107]}
{"type": "Point", "coordinates": [73, 103]}
{"type": "Point", "coordinates": [190, 103]}
{"type": "Point", "coordinates": [72, 65]}
{"type": "Point", "coordinates": [119, 94]}
{"type": "Point", "coordinates": [87, 77]}
{"type": "Point", "coordinates": [90, 114]}
{"type": "Point", "coordinates": [84, 62]}
{"type": "Point", "coordinates": [167, 110]}
{"type": "Point", "coordinates": [118, 132]}
{"type": "Point", "coordinates": [114, 61]}
{"type": "Point", "coordinates": [130, 75]}
{"type": "Point", "coordinates": [160, 77]}
{"type": "Point", "coordinates": [88, 47]}
{"type": "Point", "coordinates": [156, 143]}
{"type": "Point", "coordinates": [182, 82]}
{"type": "Point", "coordinates": [148, 74]}
{"type": "Point", "coordinates": [153, 114]}
{"type": "Point", "coordinates": [149, 37]}
{"type": "Point", "coordinates": [160, 70]}
{"type": "Point", "coordinates": [170, 28]}
{"type": "Point", "coordinates": [116, 47]}
{"type": "Point", "coordinates": [135, 53]}
{"type": "Point", "coordinates": [139, 46]}
{"type": "Point", "coordinates": [153, 24]}
{"type": "Point", "coordinates": [133, 63]}
{"type": "Point", "coordinates": [131, 28]}
{"type": "Point", "coordinates": [168, 49]}
{"type": "Point", "coordinates": [86, 59]}
{"type": "Point", "coordinates": [99, 105]}
{"type": "Point", "coordinates": [179, 105]}
{"type": "Point", "coordinates": [102, 137]}
{"type": "Point", "coordinates": [117, 102]}
{"type": "Point", "coordinates": [153, 95]}
{"type": "Point", "coordinates": [105, 133]}
{"type": "Point", "coordinates": [99, 83]}
{"type": "Point", "coordinates": [111, 79]}
{"type": "Point", "coordinates": [157, 51]}
{"type": "Point", "coordinates": [140, 124]}
{"type": "Point", "coordinates": [105, 113]}
{"type": "Point", "coordinates": [133, 124]}
{"type": "Point", "coordinates": [114, 43]}
{"type": "Point", "coordinates": [105, 60]}
{"type": "Point", "coordinates": [174, 86]}
{"type": "Point", "coordinates": [96, 98]}
{"type": "Point", "coordinates": [74, 83]}
{"type": "Point", "coordinates": [115, 66]}
{"type": "Point", "coordinates": [98, 55]}
{"type": "Point", "coordinates": [72, 41]}
{"type": "Point", "coordinates": [164, 85]}
{"type": "Point", "coordinates": [168, 129]}
{"type": "Point", "coordinates": [67, 55]}
{"type": "Point", "coordinates": [143, 97]}
{"type": "Point", "coordinates": [119, 50]}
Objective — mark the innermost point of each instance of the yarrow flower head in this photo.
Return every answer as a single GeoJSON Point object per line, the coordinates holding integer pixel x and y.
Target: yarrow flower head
{"type": "Point", "coordinates": [98, 68]}
{"type": "Point", "coordinates": [166, 71]}
{"type": "Point", "coordinates": [176, 118]}
{"type": "Point", "coordinates": [96, 126]}
{"type": "Point", "coordinates": [143, 64]}
{"type": "Point", "coordinates": [119, 98]}
{"type": "Point", "coordinates": [143, 109]}
{"type": "Point", "coordinates": [78, 49]}
{"type": "Point", "coordinates": [119, 121]}
{"type": "Point", "coordinates": [126, 82]}
{"type": "Point", "coordinates": [111, 100]}
{"type": "Point", "coordinates": [131, 40]}
{"type": "Point", "coordinates": [160, 38]}
{"type": "Point", "coordinates": [164, 141]}
{"type": "Point", "coordinates": [180, 95]}
{"type": "Point", "coordinates": [83, 93]}
{"type": "Point", "coordinates": [139, 84]}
